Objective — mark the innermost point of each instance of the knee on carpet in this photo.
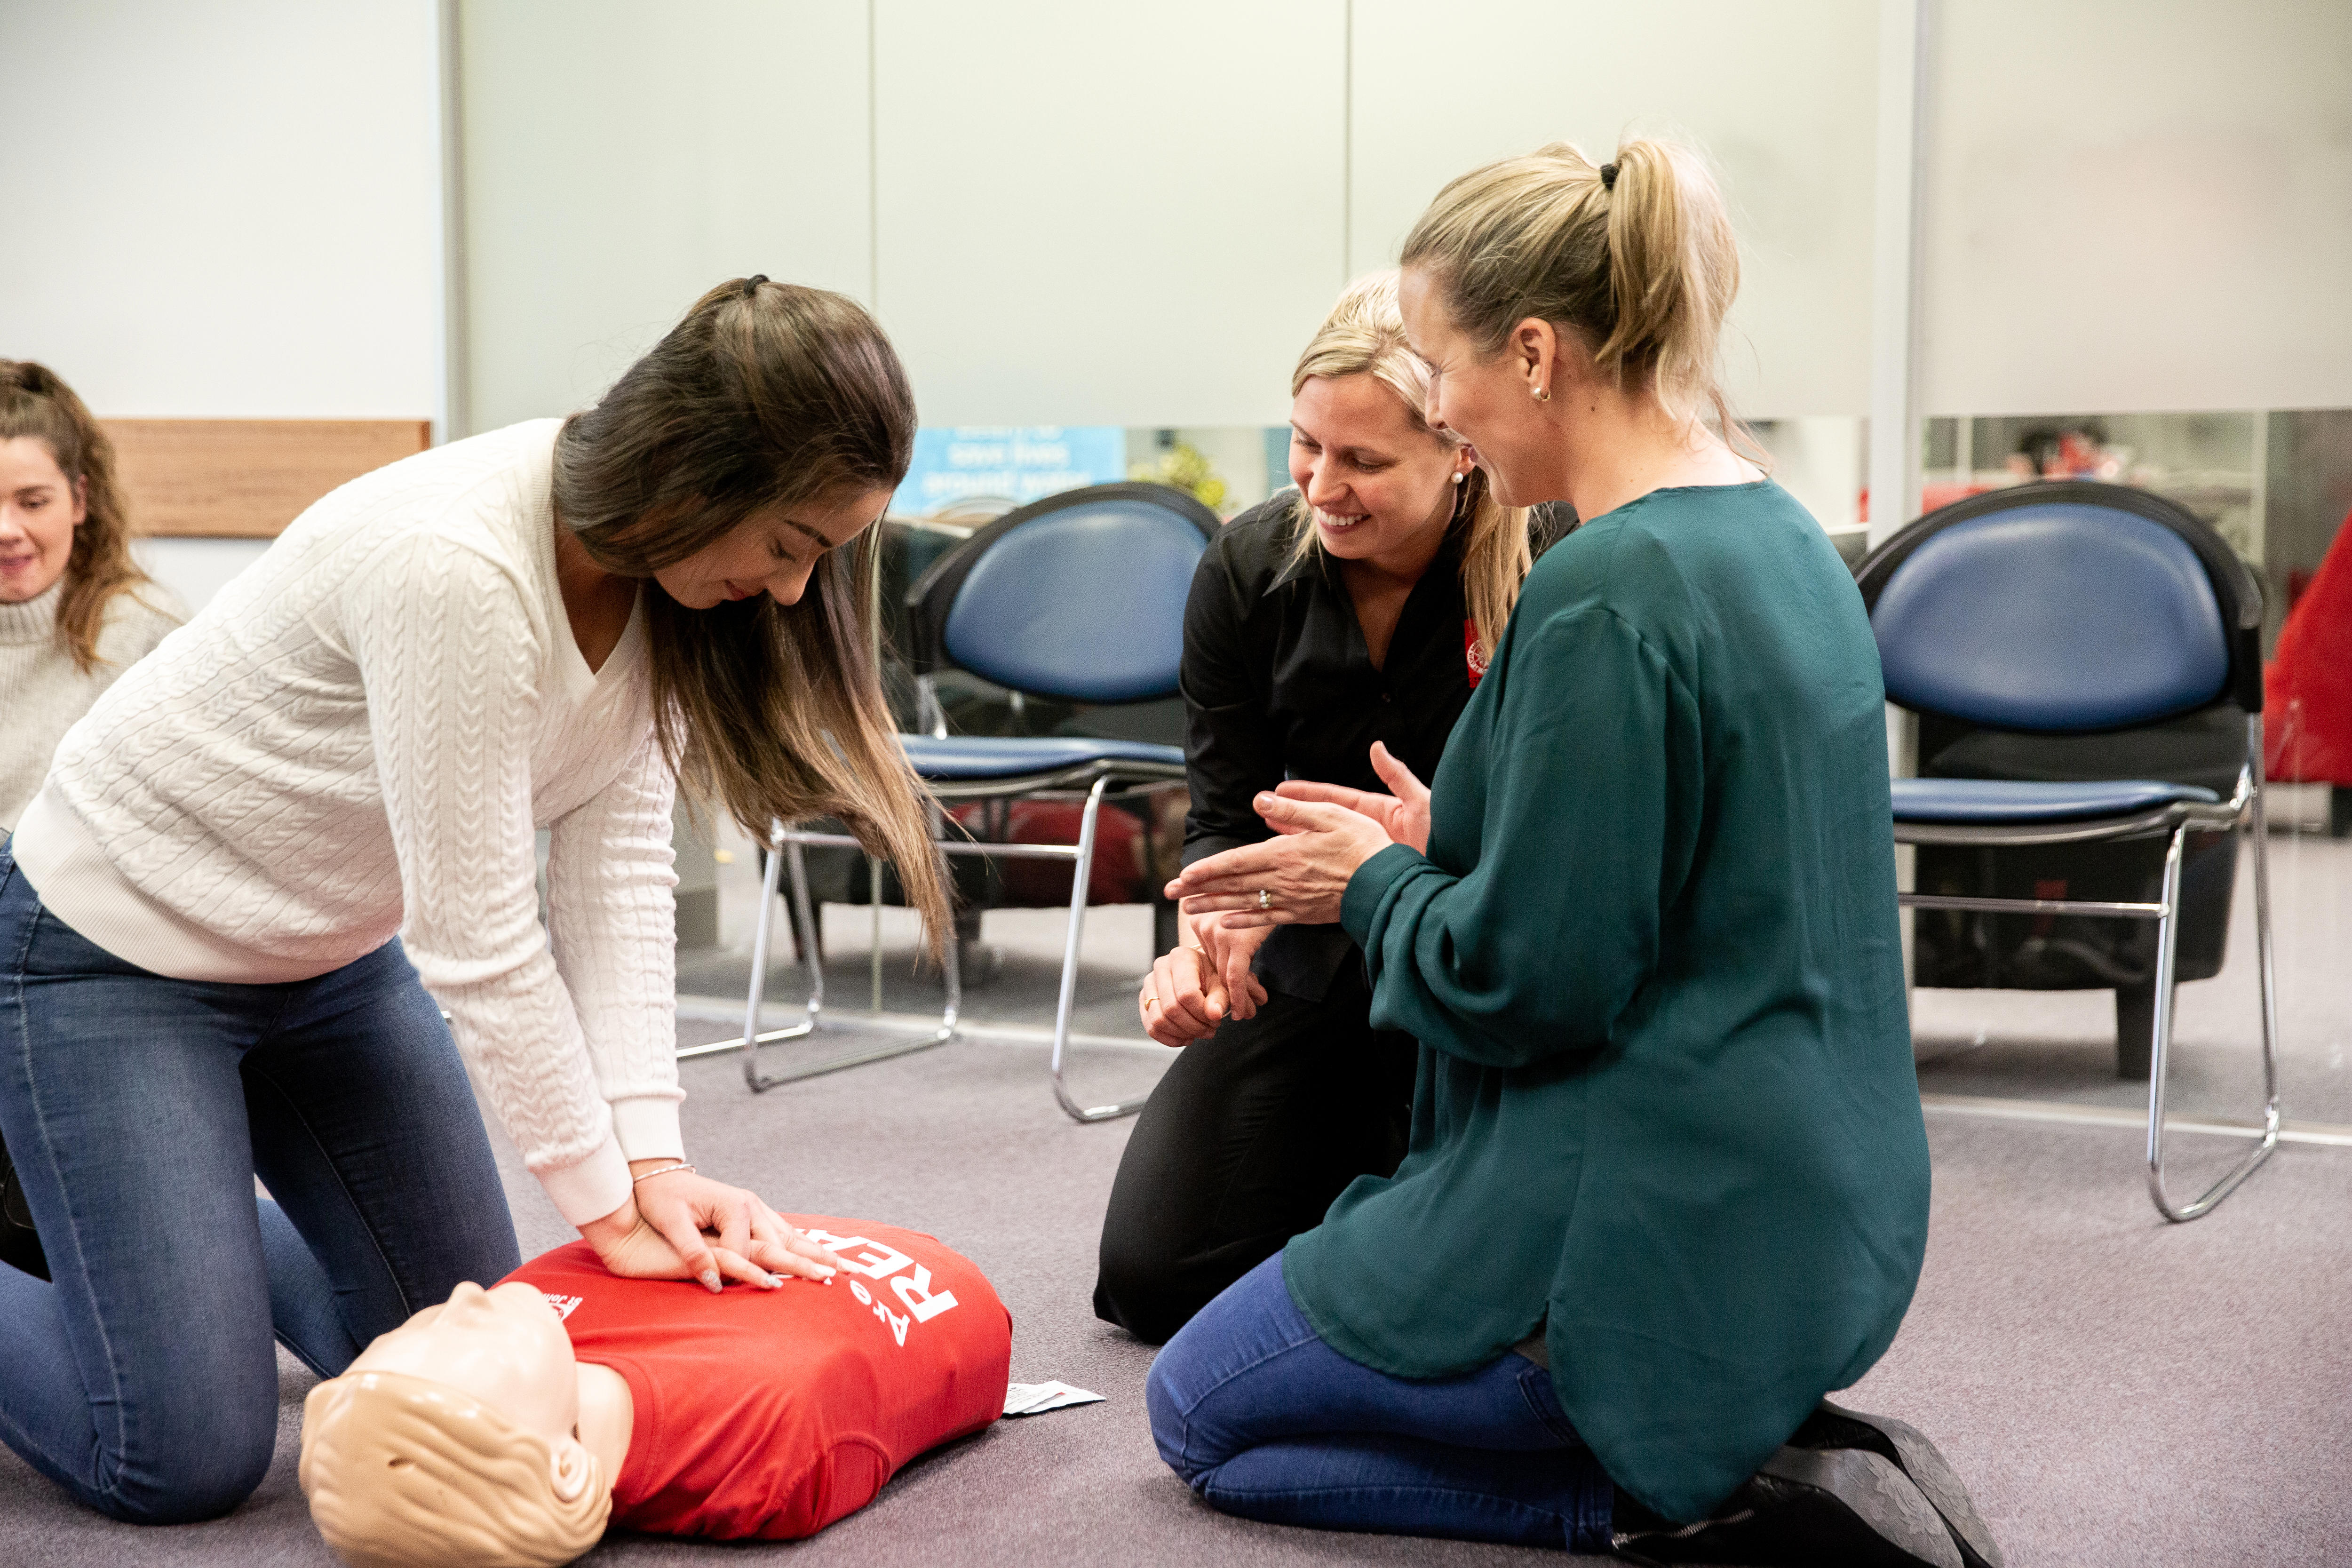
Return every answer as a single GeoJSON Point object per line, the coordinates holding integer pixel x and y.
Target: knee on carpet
{"type": "Point", "coordinates": [1169, 1420]}
{"type": "Point", "coordinates": [210, 1480]}
{"type": "Point", "coordinates": [1140, 1292]}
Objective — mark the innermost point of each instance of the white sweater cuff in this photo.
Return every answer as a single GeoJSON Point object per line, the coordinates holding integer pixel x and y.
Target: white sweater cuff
{"type": "Point", "coordinates": [647, 1128]}
{"type": "Point", "coordinates": [590, 1189]}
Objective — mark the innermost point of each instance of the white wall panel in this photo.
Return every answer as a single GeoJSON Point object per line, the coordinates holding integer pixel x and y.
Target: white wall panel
{"type": "Point", "coordinates": [1104, 214]}
{"type": "Point", "coordinates": [620, 158]}
{"type": "Point", "coordinates": [1781, 96]}
{"type": "Point", "coordinates": [224, 212]}
{"type": "Point", "coordinates": [2138, 205]}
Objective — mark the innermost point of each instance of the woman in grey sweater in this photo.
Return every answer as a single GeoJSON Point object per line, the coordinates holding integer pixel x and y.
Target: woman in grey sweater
{"type": "Point", "coordinates": [75, 610]}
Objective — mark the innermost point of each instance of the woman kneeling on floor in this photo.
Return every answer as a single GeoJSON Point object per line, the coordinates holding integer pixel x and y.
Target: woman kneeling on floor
{"type": "Point", "coordinates": [1668, 1184]}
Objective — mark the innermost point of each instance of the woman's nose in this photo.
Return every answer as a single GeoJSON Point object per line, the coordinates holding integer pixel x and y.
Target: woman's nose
{"type": "Point", "coordinates": [1323, 487]}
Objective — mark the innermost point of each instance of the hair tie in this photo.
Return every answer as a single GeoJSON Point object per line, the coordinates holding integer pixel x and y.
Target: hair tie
{"type": "Point", "coordinates": [1608, 176]}
{"type": "Point", "coordinates": [751, 284]}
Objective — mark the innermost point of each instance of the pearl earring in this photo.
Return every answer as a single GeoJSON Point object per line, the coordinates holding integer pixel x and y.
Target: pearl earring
{"type": "Point", "coordinates": [1541, 396]}
{"type": "Point", "coordinates": [1457, 478]}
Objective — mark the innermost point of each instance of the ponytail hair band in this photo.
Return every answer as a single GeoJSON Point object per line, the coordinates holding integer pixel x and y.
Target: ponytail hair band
{"type": "Point", "coordinates": [751, 284]}
{"type": "Point", "coordinates": [1609, 176]}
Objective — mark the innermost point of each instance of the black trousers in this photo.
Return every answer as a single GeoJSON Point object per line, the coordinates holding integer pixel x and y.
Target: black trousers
{"type": "Point", "coordinates": [1243, 1144]}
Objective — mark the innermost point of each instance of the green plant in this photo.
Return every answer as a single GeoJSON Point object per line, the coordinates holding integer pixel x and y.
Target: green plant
{"type": "Point", "coordinates": [1184, 468]}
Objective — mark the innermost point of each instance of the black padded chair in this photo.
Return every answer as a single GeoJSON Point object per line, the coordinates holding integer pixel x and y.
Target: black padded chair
{"type": "Point", "coordinates": [1078, 598]}
{"type": "Point", "coordinates": [2078, 609]}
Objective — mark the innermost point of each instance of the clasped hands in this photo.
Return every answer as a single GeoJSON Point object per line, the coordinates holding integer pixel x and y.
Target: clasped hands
{"type": "Point", "coordinates": [678, 1224]}
{"type": "Point", "coordinates": [1231, 902]}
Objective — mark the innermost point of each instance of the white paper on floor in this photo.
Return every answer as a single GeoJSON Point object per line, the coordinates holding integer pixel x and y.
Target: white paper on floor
{"type": "Point", "coordinates": [1036, 1398]}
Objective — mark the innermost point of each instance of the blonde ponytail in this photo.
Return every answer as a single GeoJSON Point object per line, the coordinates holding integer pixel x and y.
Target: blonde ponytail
{"type": "Point", "coordinates": [1364, 335]}
{"type": "Point", "coordinates": [1636, 257]}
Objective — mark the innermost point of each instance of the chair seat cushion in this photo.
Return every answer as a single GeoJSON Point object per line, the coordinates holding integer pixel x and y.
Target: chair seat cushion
{"type": "Point", "coordinates": [968, 758]}
{"type": "Point", "coordinates": [2016, 802]}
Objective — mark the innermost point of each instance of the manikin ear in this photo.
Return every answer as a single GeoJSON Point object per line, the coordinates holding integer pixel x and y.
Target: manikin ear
{"type": "Point", "coordinates": [572, 1468]}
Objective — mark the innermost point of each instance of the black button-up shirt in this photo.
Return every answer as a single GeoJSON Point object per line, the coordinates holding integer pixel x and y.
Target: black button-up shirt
{"type": "Point", "coordinates": [1279, 683]}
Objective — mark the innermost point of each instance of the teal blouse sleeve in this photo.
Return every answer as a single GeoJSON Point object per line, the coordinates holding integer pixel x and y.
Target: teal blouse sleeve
{"type": "Point", "coordinates": [1534, 919]}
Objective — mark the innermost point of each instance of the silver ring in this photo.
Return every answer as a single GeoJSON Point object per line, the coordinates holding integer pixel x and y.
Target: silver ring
{"type": "Point", "coordinates": [1265, 900]}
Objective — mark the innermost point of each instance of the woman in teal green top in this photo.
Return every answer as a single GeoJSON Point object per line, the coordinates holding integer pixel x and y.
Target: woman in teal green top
{"type": "Point", "coordinates": [1666, 1136]}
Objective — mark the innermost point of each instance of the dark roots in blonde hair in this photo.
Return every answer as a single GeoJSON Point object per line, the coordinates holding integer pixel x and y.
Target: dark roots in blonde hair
{"type": "Point", "coordinates": [766, 395]}
{"type": "Point", "coordinates": [33, 402]}
{"type": "Point", "coordinates": [1643, 266]}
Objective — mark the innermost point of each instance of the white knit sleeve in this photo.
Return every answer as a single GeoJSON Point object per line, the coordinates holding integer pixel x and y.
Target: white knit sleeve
{"type": "Point", "coordinates": [612, 914]}
{"type": "Point", "coordinates": [450, 660]}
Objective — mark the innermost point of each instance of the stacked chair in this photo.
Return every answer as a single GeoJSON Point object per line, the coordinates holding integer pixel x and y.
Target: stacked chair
{"type": "Point", "coordinates": [2058, 623]}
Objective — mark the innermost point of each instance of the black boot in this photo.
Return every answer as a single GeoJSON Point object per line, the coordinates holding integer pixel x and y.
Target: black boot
{"type": "Point", "coordinates": [1834, 1426]}
{"type": "Point", "coordinates": [1835, 1508]}
{"type": "Point", "coordinates": [20, 1244]}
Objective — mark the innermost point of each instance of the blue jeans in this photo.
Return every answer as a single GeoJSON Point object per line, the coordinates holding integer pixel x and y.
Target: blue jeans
{"type": "Point", "coordinates": [137, 1110]}
{"type": "Point", "coordinates": [1264, 1420]}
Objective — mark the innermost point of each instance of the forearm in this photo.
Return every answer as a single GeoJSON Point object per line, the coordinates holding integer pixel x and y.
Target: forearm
{"type": "Point", "coordinates": [612, 916]}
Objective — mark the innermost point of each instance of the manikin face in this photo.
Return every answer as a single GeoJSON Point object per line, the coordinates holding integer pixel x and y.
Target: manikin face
{"type": "Point", "coordinates": [1377, 480]}
{"type": "Point", "coordinates": [1488, 400]}
{"type": "Point", "coordinates": [773, 552]}
{"type": "Point", "coordinates": [505, 1347]}
{"type": "Point", "coordinates": [40, 509]}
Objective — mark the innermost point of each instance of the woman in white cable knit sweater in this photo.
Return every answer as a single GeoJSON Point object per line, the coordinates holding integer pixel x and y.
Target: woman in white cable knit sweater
{"type": "Point", "coordinates": [75, 609]}
{"type": "Point", "coordinates": [200, 980]}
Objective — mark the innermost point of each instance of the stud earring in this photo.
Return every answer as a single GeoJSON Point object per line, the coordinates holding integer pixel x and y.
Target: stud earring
{"type": "Point", "coordinates": [1541, 396]}
{"type": "Point", "coordinates": [1457, 478]}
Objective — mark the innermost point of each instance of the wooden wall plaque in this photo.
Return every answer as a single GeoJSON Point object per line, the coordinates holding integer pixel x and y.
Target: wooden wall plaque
{"type": "Point", "coordinates": [246, 479]}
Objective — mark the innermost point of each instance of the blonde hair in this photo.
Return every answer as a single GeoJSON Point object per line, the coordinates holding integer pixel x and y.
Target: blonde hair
{"type": "Point", "coordinates": [402, 1472]}
{"type": "Point", "coordinates": [1364, 335]}
{"type": "Point", "coordinates": [1637, 257]}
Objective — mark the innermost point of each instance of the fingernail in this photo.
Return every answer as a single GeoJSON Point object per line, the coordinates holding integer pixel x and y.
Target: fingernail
{"type": "Point", "coordinates": [1263, 800]}
{"type": "Point", "coordinates": [768, 1282]}
{"type": "Point", "coordinates": [710, 1280]}
{"type": "Point", "coordinates": [828, 1271]}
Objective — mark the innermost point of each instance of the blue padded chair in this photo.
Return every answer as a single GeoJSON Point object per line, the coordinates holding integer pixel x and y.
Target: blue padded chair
{"type": "Point", "coordinates": [2069, 608]}
{"type": "Point", "coordinates": [1078, 597]}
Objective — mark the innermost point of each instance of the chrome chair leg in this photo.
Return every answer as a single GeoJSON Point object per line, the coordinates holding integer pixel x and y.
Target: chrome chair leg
{"type": "Point", "coordinates": [783, 846]}
{"type": "Point", "coordinates": [1081, 869]}
{"type": "Point", "coordinates": [2165, 932]}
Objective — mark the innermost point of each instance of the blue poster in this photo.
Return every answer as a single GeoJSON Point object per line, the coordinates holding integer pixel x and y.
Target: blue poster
{"type": "Point", "coordinates": [1017, 462]}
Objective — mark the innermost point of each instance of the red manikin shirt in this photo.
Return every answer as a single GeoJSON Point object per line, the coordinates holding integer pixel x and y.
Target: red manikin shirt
{"type": "Point", "coordinates": [774, 1412]}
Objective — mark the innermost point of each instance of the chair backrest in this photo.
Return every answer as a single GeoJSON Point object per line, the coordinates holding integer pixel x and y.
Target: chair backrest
{"type": "Point", "coordinates": [2067, 605]}
{"type": "Point", "coordinates": [1079, 597]}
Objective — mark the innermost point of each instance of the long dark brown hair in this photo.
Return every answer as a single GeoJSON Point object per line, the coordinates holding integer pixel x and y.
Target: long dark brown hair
{"type": "Point", "coordinates": [766, 395]}
{"type": "Point", "coordinates": [35, 403]}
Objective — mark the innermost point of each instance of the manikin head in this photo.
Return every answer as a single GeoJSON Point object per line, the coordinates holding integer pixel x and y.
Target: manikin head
{"type": "Point", "coordinates": [455, 1440]}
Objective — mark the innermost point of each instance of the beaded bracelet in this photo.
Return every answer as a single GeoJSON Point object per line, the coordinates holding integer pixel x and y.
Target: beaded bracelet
{"type": "Point", "coordinates": [664, 1171]}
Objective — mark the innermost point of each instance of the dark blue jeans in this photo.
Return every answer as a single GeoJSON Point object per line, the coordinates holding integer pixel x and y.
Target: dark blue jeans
{"type": "Point", "coordinates": [1264, 1420]}
{"type": "Point", "coordinates": [137, 1110]}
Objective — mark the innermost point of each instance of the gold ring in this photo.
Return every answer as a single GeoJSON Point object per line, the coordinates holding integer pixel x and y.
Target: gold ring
{"type": "Point", "coordinates": [1151, 1002]}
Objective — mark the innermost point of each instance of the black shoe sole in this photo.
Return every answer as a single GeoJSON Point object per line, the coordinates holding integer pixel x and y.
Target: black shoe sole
{"type": "Point", "coordinates": [1869, 1514]}
{"type": "Point", "coordinates": [1812, 1508]}
{"type": "Point", "coordinates": [1920, 1459]}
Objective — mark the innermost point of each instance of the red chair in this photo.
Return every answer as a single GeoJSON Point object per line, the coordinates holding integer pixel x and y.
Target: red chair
{"type": "Point", "coordinates": [2307, 688]}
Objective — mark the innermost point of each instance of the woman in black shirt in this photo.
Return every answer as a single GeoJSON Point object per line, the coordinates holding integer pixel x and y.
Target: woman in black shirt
{"type": "Point", "coordinates": [1356, 613]}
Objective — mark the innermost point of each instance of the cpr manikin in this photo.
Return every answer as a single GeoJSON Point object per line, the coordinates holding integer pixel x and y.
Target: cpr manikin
{"type": "Point", "coordinates": [509, 1426]}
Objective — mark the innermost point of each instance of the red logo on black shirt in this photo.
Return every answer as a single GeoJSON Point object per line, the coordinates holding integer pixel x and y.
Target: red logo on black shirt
{"type": "Point", "coordinates": [1470, 654]}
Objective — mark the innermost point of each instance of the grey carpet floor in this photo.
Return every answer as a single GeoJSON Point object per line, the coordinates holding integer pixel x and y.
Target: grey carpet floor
{"type": "Point", "coordinates": [2116, 1391]}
